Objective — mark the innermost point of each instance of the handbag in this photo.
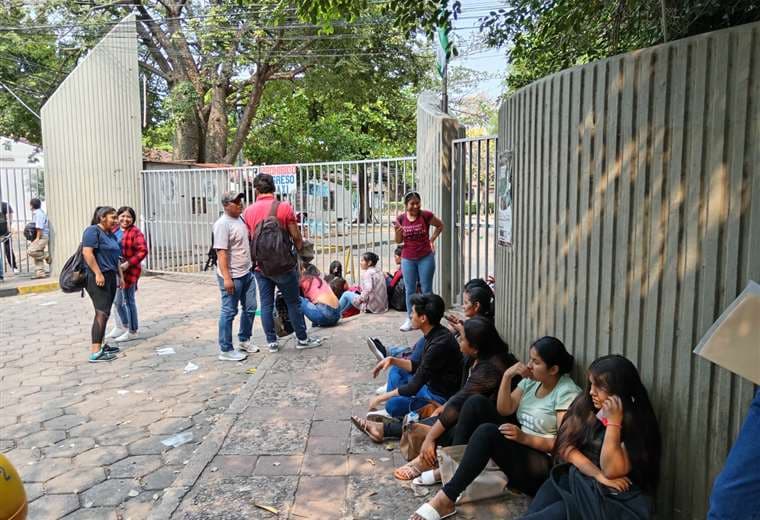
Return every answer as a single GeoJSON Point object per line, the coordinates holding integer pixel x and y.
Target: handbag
{"type": "Point", "coordinates": [412, 436]}
{"type": "Point", "coordinates": [491, 483]}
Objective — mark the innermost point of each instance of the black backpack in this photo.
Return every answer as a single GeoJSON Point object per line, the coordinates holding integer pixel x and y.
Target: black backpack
{"type": "Point", "coordinates": [272, 247]}
{"type": "Point", "coordinates": [73, 277]}
{"type": "Point", "coordinates": [30, 231]}
{"type": "Point", "coordinates": [397, 295]}
{"type": "Point", "coordinates": [3, 219]}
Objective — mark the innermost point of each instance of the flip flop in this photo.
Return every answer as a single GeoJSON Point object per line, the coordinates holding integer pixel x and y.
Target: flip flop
{"type": "Point", "coordinates": [428, 512]}
{"type": "Point", "coordinates": [407, 472]}
{"type": "Point", "coordinates": [427, 479]}
{"type": "Point", "coordinates": [361, 425]}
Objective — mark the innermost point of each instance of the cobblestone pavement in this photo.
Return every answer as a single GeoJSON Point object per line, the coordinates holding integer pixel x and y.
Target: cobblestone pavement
{"type": "Point", "coordinates": [86, 438]}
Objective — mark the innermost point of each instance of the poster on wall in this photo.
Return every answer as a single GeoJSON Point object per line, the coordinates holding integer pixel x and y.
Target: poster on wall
{"type": "Point", "coordinates": [504, 199]}
{"type": "Point", "coordinates": [284, 176]}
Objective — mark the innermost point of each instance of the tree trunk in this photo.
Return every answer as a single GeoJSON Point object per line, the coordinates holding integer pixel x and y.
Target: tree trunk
{"type": "Point", "coordinates": [217, 128]}
{"type": "Point", "coordinates": [187, 138]}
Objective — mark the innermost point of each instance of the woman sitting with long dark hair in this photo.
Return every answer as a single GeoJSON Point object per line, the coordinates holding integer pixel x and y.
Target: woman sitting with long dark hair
{"type": "Point", "coordinates": [610, 441]}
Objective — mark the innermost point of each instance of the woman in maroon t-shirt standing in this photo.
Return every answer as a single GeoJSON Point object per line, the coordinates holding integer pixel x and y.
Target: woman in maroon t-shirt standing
{"type": "Point", "coordinates": [418, 256]}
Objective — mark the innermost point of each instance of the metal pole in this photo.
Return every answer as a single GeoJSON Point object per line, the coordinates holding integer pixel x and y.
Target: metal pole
{"type": "Point", "coordinates": [445, 88]}
{"type": "Point", "coordinates": [6, 87]}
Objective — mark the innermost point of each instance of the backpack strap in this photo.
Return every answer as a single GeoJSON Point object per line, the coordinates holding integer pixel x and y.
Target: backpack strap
{"type": "Point", "coordinates": [273, 208]}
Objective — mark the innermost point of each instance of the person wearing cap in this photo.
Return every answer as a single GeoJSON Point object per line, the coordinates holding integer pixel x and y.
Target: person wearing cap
{"type": "Point", "coordinates": [236, 282]}
{"type": "Point", "coordinates": [287, 283]}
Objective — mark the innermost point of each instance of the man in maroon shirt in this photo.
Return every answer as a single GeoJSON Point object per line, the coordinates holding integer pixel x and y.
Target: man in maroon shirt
{"type": "Point", "coordinates": [287, 283]}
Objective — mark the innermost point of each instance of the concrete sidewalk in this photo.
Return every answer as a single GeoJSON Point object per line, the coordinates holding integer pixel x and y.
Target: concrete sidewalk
{"type": "Point", "coordinates": [287, 443]}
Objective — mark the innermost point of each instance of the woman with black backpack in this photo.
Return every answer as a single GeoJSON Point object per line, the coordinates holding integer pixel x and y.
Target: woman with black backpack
{"type": "Point", "coordinates": [102, 252]}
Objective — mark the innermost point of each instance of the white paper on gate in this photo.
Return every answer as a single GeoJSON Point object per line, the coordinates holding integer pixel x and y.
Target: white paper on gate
{"type": "Point", "coordinates": [733, 341]}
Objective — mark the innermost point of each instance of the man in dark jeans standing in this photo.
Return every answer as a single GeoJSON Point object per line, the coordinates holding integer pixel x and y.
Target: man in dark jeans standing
{"type": "Point", "coordinates": [287, 282]}
{"type": "Point", "coordinates": [6, 222]}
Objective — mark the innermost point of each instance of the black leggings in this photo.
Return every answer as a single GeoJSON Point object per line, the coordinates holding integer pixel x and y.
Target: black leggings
{"type": "Point", "coordinates": [102, 299]}
{"type": "Point", "coordinates": [525, 467]}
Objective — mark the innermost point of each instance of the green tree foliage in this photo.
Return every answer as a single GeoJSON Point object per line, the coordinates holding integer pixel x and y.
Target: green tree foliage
{"type": "Point", "coordinates": [544, 37]}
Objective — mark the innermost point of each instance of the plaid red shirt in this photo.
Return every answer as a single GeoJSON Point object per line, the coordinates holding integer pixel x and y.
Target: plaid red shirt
{"type": "Point", "coordinates": [134, 250]}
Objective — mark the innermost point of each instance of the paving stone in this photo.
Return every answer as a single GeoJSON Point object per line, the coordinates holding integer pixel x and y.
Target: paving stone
{"type": "Point", "coordinates": [325, 465]}
{"type": "Point", "coordinates": [327, 445]}
{"type": "Point", "coordinates": [95, 513]}
{"type": "Point", "coordinates": [41, 439]}
{"type": "Point", "coordinates": [42, 415]}
{"type": "Point", "coordinates": [371, 465]}
{"type": "Point", "coordinates": [228, 466]}
{"type": "Point", "coordinates": [150, 446]}
{"type": "Point", "coordinates": [135, 466]}
{"type": "Point", "coordinates": [64, 422]}
{"type": "Point", "coordinates": [94, 429]}
{"type": "Point", "coordinates": [278, 465]}
{"type": "Point", "coordinates": [270, 438]}
{"type": "Point", "coordinates": [160, 479]}
{"type": "Point", "coordinates": [33, 490]}
{"type": "Point", "coordinates": [122, 436]}
{"type": "Point", "coordinates": [76, 481]}
{"type": "Point", "coordinates": [234, 499]}
{"type": "Point", "coordinates": [51, 507]}
{"type": "Point", "coordinates": [170, 426]}
{"type": "Point", "coordinates": [111, 492]}
{"type": "Point", "coordinates": [330, 429]}
{"type": "Point", "coordinates": [321, 497]}
{"type": "Point", "coordinates": [44, 470]}
{"type": "Point", "coordinates": [101, 456]}
{"type": "Point", "coordinates": [70, 447]}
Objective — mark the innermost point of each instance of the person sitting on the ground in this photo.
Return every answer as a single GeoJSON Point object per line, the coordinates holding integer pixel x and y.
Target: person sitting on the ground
{"type": "Point", "coordinates": [486, 359]}
{"type": "Point", "coordinates": [621, 450]}
{"type": "Point", "coordinates": [477, 303]}
{"type": "Point", "coordinates": [395, 284]}
{"type": "Point", "coordinates": [477, 299]}
{"type": "Point", "coordinates": [374, 296]}
{"type": "Point", "coordinates": [318, 302]}
{"type": "Point", "coordinates": [334, 271]}
{"type": "Point", "coordinates": [522, 452]}
{"type": "Point", "coordinates": [438, 374]}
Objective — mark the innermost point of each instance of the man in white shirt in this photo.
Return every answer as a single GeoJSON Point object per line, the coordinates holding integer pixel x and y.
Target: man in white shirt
{"type": "Point", "coordinates": [236, 281]}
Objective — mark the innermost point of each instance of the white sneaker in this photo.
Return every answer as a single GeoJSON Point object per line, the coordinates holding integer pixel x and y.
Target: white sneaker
{"type": "Point", "coordinates": [232, 355]}
{"type": "Point", "coordinates": [273, 347]}
{"type": "Point", "coordinates": [381, 415]}
{"type": "Point", "coordinates": [15, 270]}
{"type": "Point", "coordinates": [308, 343]}
{"type": "Point", "coordinates": [116, 332]}
{"type": "Point", "coordinates": [247, 346]}
{"type": "Point", "coordinates": [381, 390]}
{"type": "Point", "coordinates": [407, 326]}
{"type": "Point", "coordinates": [127, 336]}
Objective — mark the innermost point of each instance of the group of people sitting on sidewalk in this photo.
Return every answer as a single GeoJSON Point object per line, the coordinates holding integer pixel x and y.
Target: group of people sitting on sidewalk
{"type": "Point", "coordinates": [552, 440]}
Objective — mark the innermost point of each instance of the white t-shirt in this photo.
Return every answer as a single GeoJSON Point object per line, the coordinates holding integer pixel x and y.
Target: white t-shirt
{"type": "Point", "coordinates": [41, 222]}
{"type": "Point", "coordinates": [538, 416]}
{"type": "Point", "coordinates": [232, 234]}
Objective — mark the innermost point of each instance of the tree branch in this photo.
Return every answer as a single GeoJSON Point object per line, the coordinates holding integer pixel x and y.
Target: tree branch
{"type": "Point", "coordinates": [289, 75]}
{"type": "Point", "coordinates": [154, 70]}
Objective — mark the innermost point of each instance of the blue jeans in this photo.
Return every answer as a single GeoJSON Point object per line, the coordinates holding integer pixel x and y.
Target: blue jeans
{"type": "Point", "coordinates": [736, 491]}
{"type": "Point", "coordinates": [288, 285]}
{"type": "Point", "coordinates": [245, 293]}
{"type": "Point", "coordinates": [320, 314]}
{"type": "Point", "coordinates": [400, 406]}
{"type": "Point", "coordinates": [347, 300]}
{"type": "Point", "coordinates": [398, 376]}
{"type": "Point", "coordinates": [126, 307]}
{"type": "Point", "coordinates": [413, 271]}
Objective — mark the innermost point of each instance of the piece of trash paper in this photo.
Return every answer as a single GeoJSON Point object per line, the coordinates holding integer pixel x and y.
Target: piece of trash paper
{"type": "Point", "coordinates": [165, 351]}
{"type": "Point", "coordinates": [178, 440]}
{"type": "Point", "coordinates": [48, 303]}
{"type": "Point", "coordinates": [190, 367]}
{"type": "Point", "coordinates": [267, 508]}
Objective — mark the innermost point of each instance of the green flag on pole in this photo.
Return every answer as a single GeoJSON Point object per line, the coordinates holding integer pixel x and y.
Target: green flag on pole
{"type": "Point", "coordinates": [442, 50]}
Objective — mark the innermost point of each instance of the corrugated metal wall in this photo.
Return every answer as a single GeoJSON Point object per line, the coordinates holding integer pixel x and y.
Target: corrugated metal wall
{"type": "Point", "coordinates": [436, 132]}
{"type": "Point", "coordinates": [92, 139]}
{"type": "Point", "coordinates": [637, 221]}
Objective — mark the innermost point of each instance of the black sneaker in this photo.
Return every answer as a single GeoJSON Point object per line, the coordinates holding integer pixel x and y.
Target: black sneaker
{"type": "Point", "coordinates": [377, 348]}
{"type": "Point", "coordinates": [113, 349]}
{"type": "Point", "coordinates": [101, 355]}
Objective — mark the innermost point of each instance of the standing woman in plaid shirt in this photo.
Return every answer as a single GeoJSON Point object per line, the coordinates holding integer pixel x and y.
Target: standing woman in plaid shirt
{"type": "Point", "coordinates": [133, 251]}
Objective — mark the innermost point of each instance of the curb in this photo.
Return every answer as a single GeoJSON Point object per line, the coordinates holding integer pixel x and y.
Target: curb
{"type": "Point", "coordinates": [42, 287]}
{"type": "Point", "coordinates": [208, 449]}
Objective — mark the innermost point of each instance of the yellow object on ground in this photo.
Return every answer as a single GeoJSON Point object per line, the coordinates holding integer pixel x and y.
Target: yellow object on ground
{"type": "Point", "coordinates": [13, 503]}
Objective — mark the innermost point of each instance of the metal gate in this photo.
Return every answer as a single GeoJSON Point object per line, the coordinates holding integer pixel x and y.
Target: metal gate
{"type": "Point", "coordinates": [473, 216]}
{"type": "Point", "coordinates": [17, 187]}
{"type": "Point", "coordinates": [345, 208]}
